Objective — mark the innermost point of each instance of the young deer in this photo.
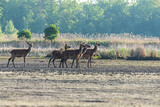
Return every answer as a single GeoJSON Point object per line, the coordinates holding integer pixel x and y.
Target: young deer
{"type": "Point", "coordinates": [19, 53]}
{"type": "Point", "coordinates": [89, 53]}
{"type": "Point", "coordinates": [57, 54]}
{"type": "Point", "coordinates": [74, 54]}
{"type": "Point", "coordinates": [79, 57]}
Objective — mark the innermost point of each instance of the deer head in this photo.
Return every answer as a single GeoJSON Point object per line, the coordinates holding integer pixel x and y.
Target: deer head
{"type": "Point", "coordinates": [97, 44]}
{"type": "Point", "coordinates": [30, 45]}
{"type": "Point", "coordinates": [67, 47]}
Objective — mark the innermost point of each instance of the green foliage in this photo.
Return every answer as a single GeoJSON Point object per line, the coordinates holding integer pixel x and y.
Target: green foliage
{"type": "Point", "coordinates": [112, 54]}
{"type": "Point", "coordinates": [24, 34]}
{"type": "Point", "coordinates": [1, 32]}
{"type": "Point", "coordinates": [51, 32]}
{"type": "Point", "coordinates": [102, 16]}
{"type": "Point", "coordinates": [9, 28]}
{"type": "Point", "coordinates": [124, 52]}
{"type": "Point", "coordinates": [0, 12]}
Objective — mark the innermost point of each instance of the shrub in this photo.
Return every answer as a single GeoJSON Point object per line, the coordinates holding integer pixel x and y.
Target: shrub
{"type": "Point", "coordinates": [138, 53]}
{"type": "Point", "coordinates": [24, 34]}
{"type": "Point", "coordinates": [112, 54]}
{"type": "Point", "coordinates": [118, 54]}
{"type": "Point", "coordinates": [51, 33]}
{"type": "Point", "coordinates": [122, 53]}
{"type": "Point", "coordinates": [132, 53]}
{"type": "Point", "coordinates": [96, 55]}
{"type": "Point", "coordinates": [154, 54]}
{"type": "Point", "coordinates": [104, 54]}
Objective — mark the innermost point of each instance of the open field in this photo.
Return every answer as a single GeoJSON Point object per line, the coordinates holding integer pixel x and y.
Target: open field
{"type": "Point", "coordinates": [109, 83]}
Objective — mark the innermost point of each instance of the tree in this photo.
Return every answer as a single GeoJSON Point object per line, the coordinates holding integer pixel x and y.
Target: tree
{"type": "Point", "coordinates": [10, 29]}
{"type": "Point", "coordinates": [0, 10]}
{"type": "Point", "coordinates": [51, 33]}
{"type": "Point", "coordinates": [1, 32]}
{"type": "Point", "coordinates": [24, 34]}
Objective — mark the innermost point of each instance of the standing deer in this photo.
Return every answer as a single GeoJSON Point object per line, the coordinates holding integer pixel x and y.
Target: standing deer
{"type": "Point", "coordinates": [74, 54]}
{"type": "Point", "coordinates": [57, 54]}
{"type": "Point", "coordinates": [19, 53]}
{"type": "Point", "coordinates": [89, 53]}
{"type": "Point", "coordinates": [79, 57]}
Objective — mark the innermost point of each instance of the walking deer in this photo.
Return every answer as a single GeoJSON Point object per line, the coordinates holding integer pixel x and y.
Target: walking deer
{"type": "Point", "coordinates": [57, 54]}
{"type": "Point", "coordinates": [89, 53]}
{"type": "Point", "coordinates": [73, 54]}
{"type": "Point", "coordinates": [19, 53]}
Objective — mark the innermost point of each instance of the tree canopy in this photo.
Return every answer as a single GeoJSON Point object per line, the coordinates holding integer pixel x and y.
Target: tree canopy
{"type": "Point", "coordinates": [72, 16]}
{"type": "Point", "coordinates": [24, 34]}
{"type": "Point", "coordinates": [51, 32]}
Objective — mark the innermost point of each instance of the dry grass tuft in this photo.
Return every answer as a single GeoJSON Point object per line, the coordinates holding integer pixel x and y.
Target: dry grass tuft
{"type": "Point", "coordinates": [139, 52]}
{"type": "Point", "coordinates": [154, 54]}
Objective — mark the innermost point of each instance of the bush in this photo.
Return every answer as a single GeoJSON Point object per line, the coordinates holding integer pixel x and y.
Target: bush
{"type": "Point", "coordinates": [96, 55]}
{"type": "Point", "coordinates": [138, 53]}
{"type": "Point", "coordinates": [24, 34]}
{"type": "Point", "coordinates": [104, 54]}
{"type": "Point", "coordinates": [108, 54]}
{"type": "Point", "coordinates": [112, 54]}
{"type": "Point", "coordinates": [51, 33]}
{"type": "Point", "coordinates": [154, 54]}
{"type": "Point", "coordinates": [124, 53]}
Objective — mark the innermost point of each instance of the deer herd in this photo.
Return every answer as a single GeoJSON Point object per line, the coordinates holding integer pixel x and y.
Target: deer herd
{"type": "Point", "coordinates": [76, 54]}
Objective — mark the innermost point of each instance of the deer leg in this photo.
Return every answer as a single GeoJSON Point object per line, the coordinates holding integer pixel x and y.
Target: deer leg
{"type": "Point", "coordinates": [53, 62]}
{"type": "Point", "coordinates": [66, 63]}
{"type": "Point", "coordinates": [77, 63]}
{"type": "Point", "coordinates": [24, 61]}
{"type": "Point", "coordinates": [72, 63]}
{"type": "Point", "coordinates": [13, 61]}
{"type": "Point", "coordinates": [49, 62]}
{"type": "Point", "coordinates": [63, 63]}
{"type": "Point", "coordinates": [90, 62]}
{"type": "Point", "coordinates": [60, 63]}
{"type": "Point", "coordinates": [9, 61]}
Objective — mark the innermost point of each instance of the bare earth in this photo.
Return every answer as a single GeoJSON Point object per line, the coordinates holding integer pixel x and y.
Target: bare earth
{"type": "Point", "coordinates": [109, 83]}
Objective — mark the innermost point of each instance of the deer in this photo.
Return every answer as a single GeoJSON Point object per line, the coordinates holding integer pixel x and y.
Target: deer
{"type": "Point", "coordinates": [19, 53]}
{"type": "Point", "coordinates": [57, 54]}
{"type": "Point", "coordinates": [79, 57]}
{"type": "Point", "coordinates": [73, 54]}
{"type": "Point", "coordinates": [89, 53]}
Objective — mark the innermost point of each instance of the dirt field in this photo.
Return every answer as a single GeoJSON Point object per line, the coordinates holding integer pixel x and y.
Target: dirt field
{"type": "Point", "coordinates": [109, 83]}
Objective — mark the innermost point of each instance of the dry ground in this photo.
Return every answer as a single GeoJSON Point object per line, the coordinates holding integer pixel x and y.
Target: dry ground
{"type": "Point", "coordinates": [109, 83]}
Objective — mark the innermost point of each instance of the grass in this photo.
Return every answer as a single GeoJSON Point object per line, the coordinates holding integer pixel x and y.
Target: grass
{"type": "Point", "coordinates": [102, 38]}
{"type": "Point", "coordinates": [113, 46]}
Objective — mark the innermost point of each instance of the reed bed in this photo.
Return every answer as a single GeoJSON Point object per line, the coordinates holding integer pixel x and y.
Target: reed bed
{"type": "Point", "coordinates": [113, 46]}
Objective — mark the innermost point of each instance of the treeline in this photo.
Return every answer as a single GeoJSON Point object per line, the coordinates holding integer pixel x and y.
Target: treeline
{"type": "Point", "coordinates": [72, 16]}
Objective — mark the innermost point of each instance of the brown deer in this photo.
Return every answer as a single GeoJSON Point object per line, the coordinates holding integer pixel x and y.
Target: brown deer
{"type": "Point", "coordinates": [57, 54]}
{"type": "Point", "coordinates": [19, 53]}
{"type": "Point", "coordinates": [89, 53]}
{"type": "Point", "coordinates": [73, 54]}
{"type": "Point", "coordinates": [84, 51]}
